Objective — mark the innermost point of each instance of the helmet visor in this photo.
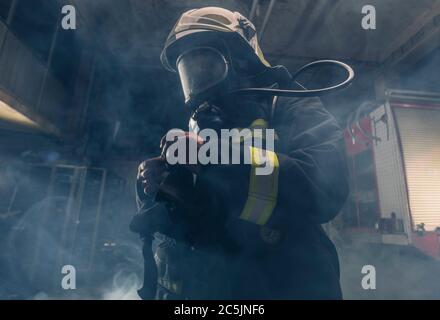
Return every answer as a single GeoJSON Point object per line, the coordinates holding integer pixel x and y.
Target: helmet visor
{"type": "Point", "coordinates": [200, 69]}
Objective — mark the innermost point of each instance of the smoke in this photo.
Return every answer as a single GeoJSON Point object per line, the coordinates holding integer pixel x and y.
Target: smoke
{"type": "Point", "coordinates": [33, 249]}
{"type": "Point", "coordinates": [401, 272]}
{"type": "Point", "coordinates": [124, 286]}
{"type": "Point", "coordinates": [43, 232]}
{"type": "Point", "coordinates": [36, 254]}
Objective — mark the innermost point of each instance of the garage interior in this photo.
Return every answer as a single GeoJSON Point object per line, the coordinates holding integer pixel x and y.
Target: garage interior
{"type": "Point", "coordinates": [80, 109]}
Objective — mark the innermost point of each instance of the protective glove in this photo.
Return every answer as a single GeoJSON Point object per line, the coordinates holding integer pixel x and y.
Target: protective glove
{"type": "Point", "coordinates": [189, 138]}
{"type": "Point", "coordinates": [150, 175]}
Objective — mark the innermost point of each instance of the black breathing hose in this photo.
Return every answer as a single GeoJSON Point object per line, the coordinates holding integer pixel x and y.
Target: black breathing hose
{"type": "Point", "coordinates": [306, 92]}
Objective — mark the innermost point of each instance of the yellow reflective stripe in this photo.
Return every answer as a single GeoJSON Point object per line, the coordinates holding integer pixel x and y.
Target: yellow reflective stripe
{"type": "Point", "coordinates": [261, 56]}
{"type": "Point", "coordinates": [259, 123]}
{"type": "Point", "coordinates": [258, 210]}
{"type": "Point", "coordinates": [252, 135]}
{"type": "Point", "coordinates": [260, 134]}
{"type": "Point", "coordinates": [263, 189]}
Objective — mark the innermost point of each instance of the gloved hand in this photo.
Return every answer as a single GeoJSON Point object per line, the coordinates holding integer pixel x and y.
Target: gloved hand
{"type": "Point", "coordinates": [150, 174]}
{"type": "Point", "coordinates": [159, 182]}
{"type": "Point", "coordinates": [189, 138]}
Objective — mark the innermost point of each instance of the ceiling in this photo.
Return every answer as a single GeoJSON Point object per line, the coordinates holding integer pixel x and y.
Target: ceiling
{"type": "Point", "coordinates": [135, 30]}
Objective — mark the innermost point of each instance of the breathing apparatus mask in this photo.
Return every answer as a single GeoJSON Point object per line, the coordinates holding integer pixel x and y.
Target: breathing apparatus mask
{"type": "Point", "coordinates": [202, 73]}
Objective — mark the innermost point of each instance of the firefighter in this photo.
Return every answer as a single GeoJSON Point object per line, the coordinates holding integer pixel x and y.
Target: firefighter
{"type": "Point", "coordinates": [219, 231]}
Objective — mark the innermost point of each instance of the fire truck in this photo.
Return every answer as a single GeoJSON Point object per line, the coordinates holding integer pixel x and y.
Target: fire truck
{"type": "Point", "coordinates": [393, 151]}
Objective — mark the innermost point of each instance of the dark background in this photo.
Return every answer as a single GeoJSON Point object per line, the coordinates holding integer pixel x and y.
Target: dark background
{"type": "Point", "coordinates": [99, 101]}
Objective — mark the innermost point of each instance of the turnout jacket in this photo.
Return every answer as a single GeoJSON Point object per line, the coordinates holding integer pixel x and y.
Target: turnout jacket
{"type": "Point", "coordinates": [246, 236]}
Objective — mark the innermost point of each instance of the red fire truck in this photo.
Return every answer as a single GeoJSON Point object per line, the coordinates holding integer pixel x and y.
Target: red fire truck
{"type": "Point", "coordinates": [394, 158]}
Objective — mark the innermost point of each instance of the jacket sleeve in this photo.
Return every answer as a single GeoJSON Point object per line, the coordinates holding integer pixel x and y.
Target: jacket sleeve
{"type": "Point", "coordinates": [166, 211]}
{"type": "Point", "coordinates": [313, 174]}
{"type": "Point", "coordinates": [309, 180]}
{"type": "Point", "coordinates": [151, 216]}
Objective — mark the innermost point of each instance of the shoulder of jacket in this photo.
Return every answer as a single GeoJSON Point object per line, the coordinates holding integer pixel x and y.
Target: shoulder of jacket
{"type": "Point", "coordinates": [288, 108]}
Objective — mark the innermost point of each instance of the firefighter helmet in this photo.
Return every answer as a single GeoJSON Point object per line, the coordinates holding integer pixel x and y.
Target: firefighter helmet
{"type": "Point", "coordinates": [232, 26]}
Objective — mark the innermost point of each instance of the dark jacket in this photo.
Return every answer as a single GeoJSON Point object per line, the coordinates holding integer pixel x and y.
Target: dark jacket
{"type": "Point", "coordinates": [290, 256]}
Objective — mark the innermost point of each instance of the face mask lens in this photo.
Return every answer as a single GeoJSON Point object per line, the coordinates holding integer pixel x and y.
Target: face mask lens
{"type": "Point", "coordinates": [201, 69]}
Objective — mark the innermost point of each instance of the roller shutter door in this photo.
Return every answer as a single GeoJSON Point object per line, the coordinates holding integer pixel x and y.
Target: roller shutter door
{"type": "Point", "coordinates": [419, 130]}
